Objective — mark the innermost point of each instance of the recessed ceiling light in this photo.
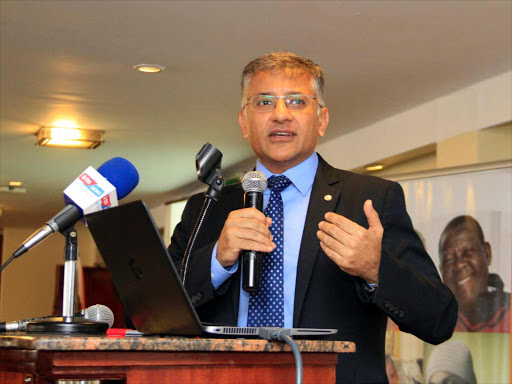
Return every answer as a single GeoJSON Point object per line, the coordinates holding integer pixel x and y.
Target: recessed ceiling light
{"type": "Point", "coordinates": [149, 68]}
{"type": "Point", "coordinates": [374, 167]}
{"type": "Point", "coordinates": [15, 183]}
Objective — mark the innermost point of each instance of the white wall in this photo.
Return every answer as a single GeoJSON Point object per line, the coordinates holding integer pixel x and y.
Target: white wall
{"type": "Point", "coordinates": [481, 105]}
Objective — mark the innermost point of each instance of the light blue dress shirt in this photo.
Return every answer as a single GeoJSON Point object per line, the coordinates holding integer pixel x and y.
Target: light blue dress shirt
{"type": "Point", "coordinates": [295, 204]}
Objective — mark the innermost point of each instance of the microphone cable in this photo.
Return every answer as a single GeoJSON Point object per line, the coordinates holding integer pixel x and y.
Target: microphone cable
{"type": "Point", "coordinates": [205, 210]}
{"type": "Point", "coordinates": [7, 263]}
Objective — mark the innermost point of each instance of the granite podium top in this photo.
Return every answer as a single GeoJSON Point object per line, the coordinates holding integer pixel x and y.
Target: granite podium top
{"type": "Point", "coordinates": [49, 342]}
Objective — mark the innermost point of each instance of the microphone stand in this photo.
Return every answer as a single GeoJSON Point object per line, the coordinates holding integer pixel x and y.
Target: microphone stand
{"type": "Point", "coordinates": [68, 323]}
{"type": "Point", "coordinates": [210, 197]}
{"type": "Point", "coordinates": [208, 168]}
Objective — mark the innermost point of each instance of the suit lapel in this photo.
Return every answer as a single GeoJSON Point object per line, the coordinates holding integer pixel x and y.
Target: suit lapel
{"type": "Point", "coordinates": [327, 182]}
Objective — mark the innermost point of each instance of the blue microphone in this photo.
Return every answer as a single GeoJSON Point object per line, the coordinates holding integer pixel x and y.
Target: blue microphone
{"type": "Point", "coordinates": [90, 192]}
{"type": "Point", "coordinates": [121, 174]}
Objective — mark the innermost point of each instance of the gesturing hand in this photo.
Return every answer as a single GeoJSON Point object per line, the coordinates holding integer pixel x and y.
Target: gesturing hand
{"type": "Point", "coordinates": [244, 229]}
{"type": "Point", "coordinates": [356, 250]}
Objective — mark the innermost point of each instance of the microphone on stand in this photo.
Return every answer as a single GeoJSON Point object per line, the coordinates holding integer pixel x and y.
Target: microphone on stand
{"type": "Point", "coordinates": [98, 313]}
{"type": "Point", "coordinates": [253, 183]}
{"type": "Point", "coordinates": [90, 192]}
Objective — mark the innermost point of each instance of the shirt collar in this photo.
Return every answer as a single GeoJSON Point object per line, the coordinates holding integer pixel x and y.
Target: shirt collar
{"type": "Point", "coordinates": [302, 175]}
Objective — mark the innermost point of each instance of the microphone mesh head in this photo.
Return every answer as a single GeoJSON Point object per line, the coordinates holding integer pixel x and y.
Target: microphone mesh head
{"type": "Point", "coordinates": [254, 181]}
{"type": "Point", "coordinates": [99, 313]}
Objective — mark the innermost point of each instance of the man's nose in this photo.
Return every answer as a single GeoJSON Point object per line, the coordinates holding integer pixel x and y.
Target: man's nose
{"type": "Point", "coordinates": [281, 112]}
{"type": "Point", "coordinates": [460, 261]}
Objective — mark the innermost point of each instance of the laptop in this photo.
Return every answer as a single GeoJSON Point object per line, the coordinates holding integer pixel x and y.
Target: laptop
{"type": "Point", "coordinates": [147, 280]}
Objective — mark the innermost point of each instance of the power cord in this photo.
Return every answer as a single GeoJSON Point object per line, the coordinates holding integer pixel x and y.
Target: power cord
{"type": "Point", "coordinates": [283, 334]}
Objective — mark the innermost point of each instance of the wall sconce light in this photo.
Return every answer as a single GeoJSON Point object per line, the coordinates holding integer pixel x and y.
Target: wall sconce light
{"type": "Point", "coordinates": [69, 137]}
{"type": "Point", "coordinates": [13, 187]}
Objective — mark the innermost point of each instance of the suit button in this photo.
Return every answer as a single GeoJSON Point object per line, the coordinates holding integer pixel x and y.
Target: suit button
{"type": "Point", "coordinates": [401, 314]}
{"type": "Point", "coordinates": [386, 304]}
{"type": "Point", "coordinates": [196, 298]}
{"type": "Point", "coordinates": [396, 311]}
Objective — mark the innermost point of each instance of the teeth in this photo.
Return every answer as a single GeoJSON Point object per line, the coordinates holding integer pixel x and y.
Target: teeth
{"type": "Point", "coordinates": [464, 281]}
{"type": "Point", "coordinates": [282, 134]}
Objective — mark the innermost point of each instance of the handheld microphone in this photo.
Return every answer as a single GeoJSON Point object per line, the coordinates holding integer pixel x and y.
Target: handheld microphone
{"type": "Point", "coordinates": [98, 312]}
{"type": "Point", "coordinates": [90, 192]}
{"type": "Point", "coordinates": [253, 183]}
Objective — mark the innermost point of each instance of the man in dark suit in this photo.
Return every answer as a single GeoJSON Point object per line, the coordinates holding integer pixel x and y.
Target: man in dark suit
{"type": "Point", "coordinates": [349, 254]}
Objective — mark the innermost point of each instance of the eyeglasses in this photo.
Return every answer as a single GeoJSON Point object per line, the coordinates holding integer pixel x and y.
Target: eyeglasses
{"type": "Point", "coordinates": [267, 103]}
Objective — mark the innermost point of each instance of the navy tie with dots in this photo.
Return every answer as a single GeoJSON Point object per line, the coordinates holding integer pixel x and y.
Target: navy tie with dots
{"type": "Point", "coordinates": [266, 307]}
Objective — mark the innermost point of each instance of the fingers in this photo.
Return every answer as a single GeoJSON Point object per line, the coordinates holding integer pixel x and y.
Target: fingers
{"type": "Point", "coordinates": [334, 232]}
{"type": "Point", "coordinates": [371, 215]}
{"type": "Point", "coordinates": [343, 223]}
{"type": "Point", "coordinates": [240, 237]}
{"type": "Point", "coordinates": [334, 256]}
{"type": "Point", "coordinates": [355, 249]}
{"type": "Point", "coordinates": [333, 244]}
{"type": "Point", "coordinates": [244, 229]}
{"type": "Point", "coordinates": [353, 228]}
{"type": "Point", "coordinates": [342, 256]}
{"type": "Point", "coordinates": [250, 218]}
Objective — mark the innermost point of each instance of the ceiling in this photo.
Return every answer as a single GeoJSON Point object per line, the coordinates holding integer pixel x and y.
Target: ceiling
{"type": "Point", "coordinates": [74, 59]}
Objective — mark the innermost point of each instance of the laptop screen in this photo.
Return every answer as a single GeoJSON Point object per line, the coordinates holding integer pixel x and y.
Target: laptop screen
{"type": "Point", "coordinates": [142, 270]}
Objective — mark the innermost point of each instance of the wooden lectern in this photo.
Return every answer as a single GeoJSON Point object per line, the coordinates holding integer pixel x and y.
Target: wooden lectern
{"type": "Point", "coordinates": [27, 358]}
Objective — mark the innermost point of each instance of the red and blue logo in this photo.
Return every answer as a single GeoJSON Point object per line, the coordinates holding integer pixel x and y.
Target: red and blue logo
{"type": "Point", "coordinates": [91, 185]}
{"type": "Point", "coordinates": [105, 202]}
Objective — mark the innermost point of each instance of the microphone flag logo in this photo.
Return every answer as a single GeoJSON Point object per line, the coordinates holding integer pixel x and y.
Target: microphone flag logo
{"type": "Point", "coordinates": [91, 192]}
{"type": "Point", "coordinates": [91, 185]}
{"type": "Point", "coordinates": [105, 202]}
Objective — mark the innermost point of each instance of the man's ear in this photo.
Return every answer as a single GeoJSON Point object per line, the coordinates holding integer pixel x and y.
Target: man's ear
{"type": "Point", "coordinates": [488, 252]}
{"type": "Point", "coordinates": [242, 122]}
{"type": "Point", "coordinates": [323, 118]}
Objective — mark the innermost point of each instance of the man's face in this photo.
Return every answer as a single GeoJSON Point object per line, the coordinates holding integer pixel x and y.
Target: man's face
{"type": "Point", "coordinates": [465, 264]}
{"type": "Point", "coordinates": [282, 138]}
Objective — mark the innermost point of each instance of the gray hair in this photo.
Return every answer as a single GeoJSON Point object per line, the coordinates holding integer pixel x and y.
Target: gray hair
{"type": "Point", "coordinates": [286, 62]}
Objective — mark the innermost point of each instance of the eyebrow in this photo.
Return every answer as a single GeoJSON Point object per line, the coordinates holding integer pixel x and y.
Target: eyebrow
{"type": "Point", "coordinates": [288, 93]}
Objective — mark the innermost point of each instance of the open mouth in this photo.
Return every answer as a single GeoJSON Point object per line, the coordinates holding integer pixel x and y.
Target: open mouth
{"type": "Point", "coordinates": [281, 134]}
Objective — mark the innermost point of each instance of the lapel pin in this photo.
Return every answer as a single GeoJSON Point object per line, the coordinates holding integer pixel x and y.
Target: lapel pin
{"type": "Point", "coordinates": [327, 197]}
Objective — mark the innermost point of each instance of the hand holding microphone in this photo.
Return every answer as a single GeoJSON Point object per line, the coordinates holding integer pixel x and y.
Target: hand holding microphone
{"type": "Point", "coordinates": [246, 229]}
{"type": "Point", "coordinates": [253, 183]}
